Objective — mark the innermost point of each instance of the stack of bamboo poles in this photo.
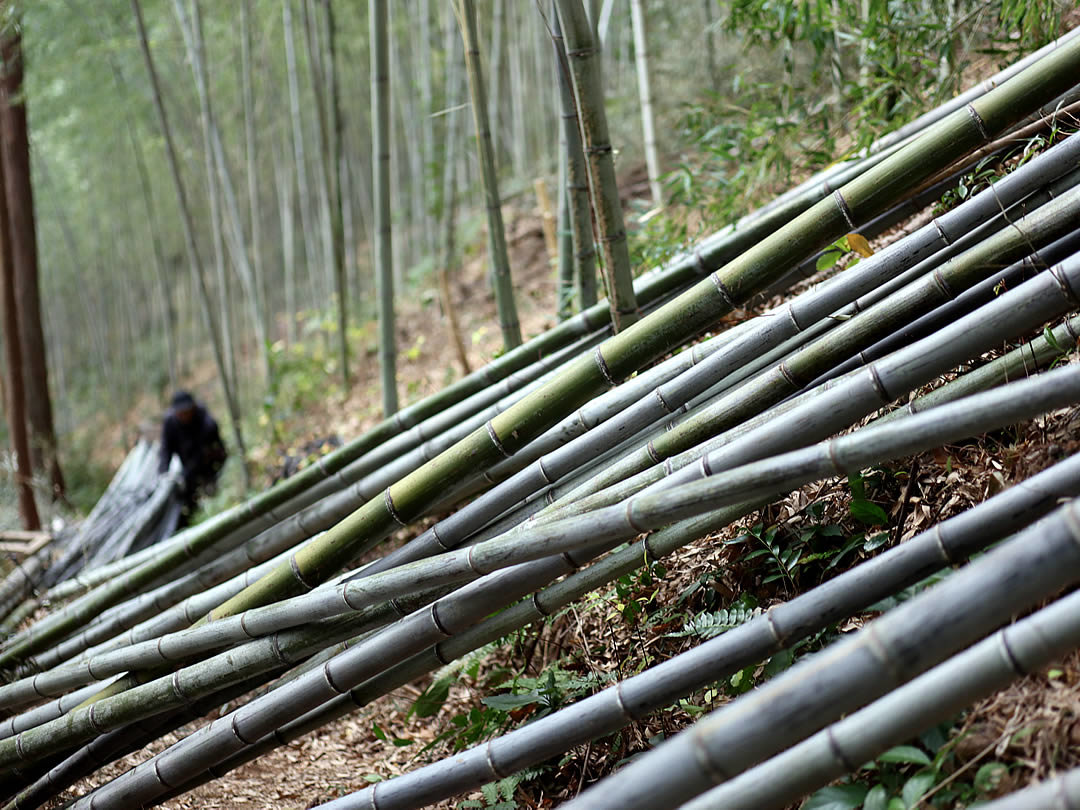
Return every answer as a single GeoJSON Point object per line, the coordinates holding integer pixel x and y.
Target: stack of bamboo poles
{"type": "Point", "coordinates": [139, 508]}
{"type": "Point", "coordinates": [571, 458]}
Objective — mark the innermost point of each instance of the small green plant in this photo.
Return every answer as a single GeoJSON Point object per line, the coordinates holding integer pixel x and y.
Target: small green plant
{"type": "Point", "coordinates": [922, 773]}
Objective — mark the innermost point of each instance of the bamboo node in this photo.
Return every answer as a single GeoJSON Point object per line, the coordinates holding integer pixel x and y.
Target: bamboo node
{"type": "Point", "coordinates": [699, 261]}
{"type": "Point", "coordinates": [1063, 283]}
{"type": "Point", "coordinates": [298, 573]}
{"type": "Point", "coordinates": [583, 53]}
{"type": "Point", "coordinates": [599, 149]}
{"type": "Point", "coordinates": [389, 502]}
{"type": "Point", "coordinates": [494, 440]}
{"type": "Point", "coordinates": [1007, 653]}
{"type": "Point", "coordinates": [601, 363]}
{"type": "Point", "coordinates": [941, 231]}
{"type": "Point", "coordinates": [841, 203]}
{"type": "Point", "coordinates": [838, 752]}
{"type": "Point", "coordinates": [435, 533]}
{"type": "Point", "coordinates": [723, 290]}
{"type": "Point", "coordinates": [435, 620]}
{"type": "Point", "coordinates": [621, 702]}
{"type": "Point", "coordinates": [879, 386]}
{"type": "Point", "coordinates": [979, 123]}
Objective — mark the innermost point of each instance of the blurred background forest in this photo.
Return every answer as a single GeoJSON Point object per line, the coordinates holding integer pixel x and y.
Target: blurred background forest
{"type": "Point", "coordinates": [269, 102]}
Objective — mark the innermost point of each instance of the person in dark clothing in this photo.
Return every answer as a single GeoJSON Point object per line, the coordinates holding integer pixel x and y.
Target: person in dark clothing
{"type": "Point", "coordinates": [190, 432]}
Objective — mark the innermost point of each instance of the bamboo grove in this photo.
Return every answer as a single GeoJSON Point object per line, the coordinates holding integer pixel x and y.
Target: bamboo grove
{"type": "Point", "coordinates": [635, 427]}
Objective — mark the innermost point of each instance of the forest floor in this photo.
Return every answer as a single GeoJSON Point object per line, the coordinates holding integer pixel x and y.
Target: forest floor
{"type": "Point", "coordinates": [1033, 727]}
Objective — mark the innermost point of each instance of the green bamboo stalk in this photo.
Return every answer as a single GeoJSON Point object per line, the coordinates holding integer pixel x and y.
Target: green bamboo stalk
{"type": "Point", "coordinates": [577, 184]}
{"type": "Point", "coordinates": [583, 59]}
{"type": "Point", "coordinates": [384, 257]}
{"type": "Point", "coordinates": [903, 643]}
{"type": "Point", "coordinates": [940, 694]}
{"type": "Point", "coordinates": [497, 253]}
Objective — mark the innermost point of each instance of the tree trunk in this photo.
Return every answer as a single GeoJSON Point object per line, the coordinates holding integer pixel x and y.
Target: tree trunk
{"type": "Point", "coordinates": [16, 410]}
{"type": "Point", "coordinates": [500, 261]}
{"type": "Point", "coordinates": [190, 245]}
{"type": "Point", "coordinates": [449, 204]}
{"type": "Point", "coordinates": [580, 45]}
{"type": "Point", "coordinates": [384, 254]}
{"type": "Point", "coordinates": [24, 267]}
{"type": "Point", "coordinates": [250, 155]}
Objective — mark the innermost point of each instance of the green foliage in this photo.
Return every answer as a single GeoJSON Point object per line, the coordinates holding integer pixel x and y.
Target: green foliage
{"type": "Point", "coordinates": [922, 773]}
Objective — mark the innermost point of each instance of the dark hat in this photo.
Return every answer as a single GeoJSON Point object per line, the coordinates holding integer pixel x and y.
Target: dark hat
{"type": "Point", "coordinates": [182, 400]}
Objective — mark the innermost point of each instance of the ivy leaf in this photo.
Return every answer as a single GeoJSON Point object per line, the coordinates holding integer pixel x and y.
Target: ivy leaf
{"type": "Point", "coordinates": [868, 513]}
{"type": "Point", "coordinates": [877, 798]}
{"type": "Point", "coordinates": [915, 787]}
{"type": "Point", "coordinates": [837, 797]}
{"type": "Point", "coordinates": [907, 754]}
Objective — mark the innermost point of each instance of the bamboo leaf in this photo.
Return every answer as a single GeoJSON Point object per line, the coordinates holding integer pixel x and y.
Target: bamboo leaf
{"type": "Point", "coordinates": [860, 245]}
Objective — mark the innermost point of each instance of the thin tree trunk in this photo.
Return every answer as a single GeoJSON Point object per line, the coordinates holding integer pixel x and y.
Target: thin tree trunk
{"type": "Point", "coordinates": [500, 261]}
{"type": "Point", "coordinates": [577, 181]}
{"type": "Point", "coordinates": [334, 129]}
{"type": "Point", "coordinates": [16, 409]}
{"type": "Point", "coordinates": [609, 217]}
{"type": "Point", "coordinates": [304, 197]}
{"type": "Point", "coordinates": [641, 58]}
{"type": "Point", "coordinates": [384, 254]}
{"type": "Point", "coordinates": [251, 159]}
{"type": "Point", "coordinates": [449, 204]}
{"type": "Point", "coordinates": [498, 16]}
{"type": "Point", "coordinates": [22, 235]}
{"type": "Point", "coordinates": [190, 245]}
{"type": "Point", "coordinates": [284, 182]}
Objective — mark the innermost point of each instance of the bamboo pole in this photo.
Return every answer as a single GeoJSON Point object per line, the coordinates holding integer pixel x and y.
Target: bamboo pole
{"type": "Point", "coordinates": [671, 324]}
{"type": "Point", "coordinates": [497, 253]}
{"type": "Point", "coordinates": [384, 257]}
{"type": "Point", "coordinates": [903, 643]}
{"type": "Point", "coordinates": [1060, 793]}
{"type": "Point", "coordinates": [990, 409]}
{"type": "Point", "coordinates": [577, 185]}
{"type": "Point", "coordinates": [940, 694]}
{"type": "Point", "coordinates": [583, 59]}
{"type": "Point", "coordinates": [641, 60]}
{"type": "Point", "coordinates": [846, 594]}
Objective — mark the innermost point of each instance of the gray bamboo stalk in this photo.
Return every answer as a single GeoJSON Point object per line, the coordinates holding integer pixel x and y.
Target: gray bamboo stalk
{"type": "Point", "coordinates": [641, 60]}
{"type": "Point", "coordinates": [1060, 793]}
{"type": "Point", "coordinates": [189, 238]}
{"type": "Point", "coordinates": [583, 58]}
{"type": "Point", "coordinates": [384, 257]}
{"type": "Point", "coordinates": [990, 409]}
{"type": "Point", "coordinates": [497, 252]}
{"type": "Point", "coordinates": [577, 182]}
{"type": "Point", "coordinates": [603, 713]}
{"type": "Point", "coordinates": [941, 693]}
{"type": "Point", "coordinates": [893, 649]}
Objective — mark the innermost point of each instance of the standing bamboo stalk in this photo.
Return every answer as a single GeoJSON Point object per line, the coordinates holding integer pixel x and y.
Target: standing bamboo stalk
{"type": "Point", "coordinates": [577, 181]}
{"type": "Point", "coordinates": [589, 92]}
{"type": "Point", "coordinates": [497, 252]}
{"type": "Point", "coordinates": [641, 59]}
{"type": "Point", "coordinates": [384, 251]}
